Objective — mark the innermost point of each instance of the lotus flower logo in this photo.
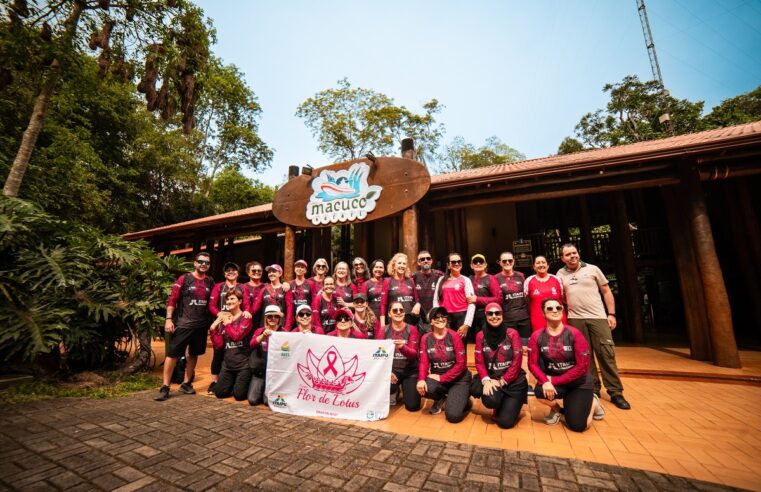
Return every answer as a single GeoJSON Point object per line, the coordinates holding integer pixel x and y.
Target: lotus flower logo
{"type": "Point", "coordinates": [330, 372]}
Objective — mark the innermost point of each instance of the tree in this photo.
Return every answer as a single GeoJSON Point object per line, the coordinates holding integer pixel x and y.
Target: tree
{"type": "Point", "coordinates": [231, 190]}
{"type": "Point", "coordinates": [569, 145]}
{"type": "Point", "coordinates": [350, 121]}
{"type": "Point", "coordinates": [170, 36]}
{"type": "Point", "coordinates": [737, 110]}
{"type": "Point", "coordinates": [227, 118]}
{"type": "Point", "coordinates": [460, 155]}
{"type": "Point", "coordinates": [632, 115]}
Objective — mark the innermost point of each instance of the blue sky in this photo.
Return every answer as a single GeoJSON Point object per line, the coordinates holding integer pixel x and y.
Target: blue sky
{"type": "Point", "coordinates": [523, 71]}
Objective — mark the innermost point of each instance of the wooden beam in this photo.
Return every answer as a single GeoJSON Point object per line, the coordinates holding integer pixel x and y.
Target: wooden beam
{"type": "Point", "coordinates": [409, 233]}
{"type": "Point", "coordinates": [725, 352]}
{"type": "Point", "coordinates": [629, 285]}
{"type": "Point", "coordinates": [588, 249]}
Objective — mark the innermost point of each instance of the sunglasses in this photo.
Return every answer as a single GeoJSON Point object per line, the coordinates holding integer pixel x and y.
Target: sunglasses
{"type": "Point", "coordinates": [272, 316]}
{"type": "Point", "coordinates": [359, 265]}
{"type": "Point", "coordinates": [455, 262]}
{"type": "Point", "coordinates": [228, 272]}
{"type": "Point", "coordinates": [425, 258]}
{"type": "Point", "coordinates": [343, 319]}
{"type": "Point", "coordinates": [304, 314]}
{"type": "Point", "coordinates": [439, 318]}
{"type": "Point", "coordinates": [397, 311]}
{"type": "Point", "coordinates": [478, 261]}
{"type": "Point", "coordinates": [359, 301]}
{"type": "Point", "coordinates": [203, 262]}
{"type": "Point", "coordinates": [321, 267]}
{"type": "Point", "coordinates": [553, 308]}
{"type": "Point", "coordinates": [256, 271]}
{"type": "Point", "coordinates": [494, 314]}
{"type": "Point", "coordinates": [506, 261]}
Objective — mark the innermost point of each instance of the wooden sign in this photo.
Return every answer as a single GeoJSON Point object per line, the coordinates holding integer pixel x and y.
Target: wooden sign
{"type": "Point", "coordinates": [351, 192]}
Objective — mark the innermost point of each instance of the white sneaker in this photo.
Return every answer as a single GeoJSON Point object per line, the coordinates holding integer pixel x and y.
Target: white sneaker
{"type": "Point", "coordinates": [599, 410]}
{"type": "Point", "coordinates": [553, 417]}
{"type": "Point", "coordinates": [437, 407]}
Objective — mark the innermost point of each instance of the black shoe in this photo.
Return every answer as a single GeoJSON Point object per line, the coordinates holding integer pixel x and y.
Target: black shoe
{"type": "Point", "coordinates": [187, 388]}
{"type": "Point", "coordinates": [469, 405]}
{"type": "Point", "coordinates": [620, 402]}
{"type": "Point", "coordinates": [163, 394]}
{"type": "Point", "coordinates": [210, 391]}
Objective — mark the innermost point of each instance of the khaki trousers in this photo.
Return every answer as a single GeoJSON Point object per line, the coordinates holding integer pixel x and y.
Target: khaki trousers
{"type": "Point", "coordinates": [597, 333]}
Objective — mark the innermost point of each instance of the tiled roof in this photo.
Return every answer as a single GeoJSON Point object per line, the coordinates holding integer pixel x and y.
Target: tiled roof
{"type": "Point", "coordinates": [681, 144]}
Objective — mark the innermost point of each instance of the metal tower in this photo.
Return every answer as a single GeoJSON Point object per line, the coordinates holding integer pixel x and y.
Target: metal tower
{"type": "Point", "coordinates": [665, 118]}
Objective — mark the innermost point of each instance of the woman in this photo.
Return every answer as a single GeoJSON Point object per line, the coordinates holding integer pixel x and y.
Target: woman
{"type": "Point", "coordinates": [559, 358]}
{"type": "Point", "coordinates": [453, 291]}
{"type": "Point", "coordinates": [319, 272]}
{"type": "Point", "coordinates": [232, 333]}
{"type": "Point", "coordinates": [273, 317]}
{"type": "Point", "coordinates": [486, 291]}
{"type": "Point", "coordinates": [276, 294]}
{"type": "Point", "coordinates": [404, 371]}
{"type": "Point", "coordinates": [302, 289]}
{"type": "Point", "coordinates": [373, 289]}
{"type": "Point", "coordinates": [514, 306]}
{"type": "Point", "coordinates": [364, 318]}
{"type": "Point", "coordinates": [442, 372]}
{"type": "Point", "coordinates": [345, 325]}
{"type": "Point", "coordinates": [542, 285]}
{"type": "Point", "coordinates": [502, 384]}
{"type": "Point", "coordinates": [252, 292]}
{"type": "Point", "coordinates": [304, 321]}
{"type": "Point", "coordinates": [399, 287]}
{"type": "Point", "coordinates": [359, 275]}
{"type": "Point", "coordinates": [324, 307]}
{"type": "Point", "coordinates": [217, 304]}
{"type": "Point", "coordinates": [343, 284]}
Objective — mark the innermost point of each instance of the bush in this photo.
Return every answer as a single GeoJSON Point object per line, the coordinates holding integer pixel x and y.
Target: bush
{"type": "Point", "coordinates": [73, 292]}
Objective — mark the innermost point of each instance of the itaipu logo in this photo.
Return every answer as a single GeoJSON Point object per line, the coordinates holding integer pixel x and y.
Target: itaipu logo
{"type": "Point", "coordinates": [380, 353]}
{"type": "Point", "coordinates": [330, 372]}
{"type": "Point", "coordinates": [342, 196]}
{"type": "Point", "coordinates": [279, 401]}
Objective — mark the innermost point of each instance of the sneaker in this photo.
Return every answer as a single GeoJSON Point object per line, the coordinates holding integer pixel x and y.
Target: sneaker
{"type": "Point", "coordinates": [530, 391]}
{"type": "Point", "coordinates": [599, 410]}
{"type": "Point", "coordinates": [392, 400]}
{"type": "Point", "coordinates": [553, 417]}
{"type": "Point", "coordinates": [187, 388]}
{"type": "Point", "coordinates": [210, 391]}
{"type": "Point", "coordinates": [163, 394]}
{"type": "Point", "coordinates": [469, 405]}
{"type": "Point", "coordinates": [436, 407]}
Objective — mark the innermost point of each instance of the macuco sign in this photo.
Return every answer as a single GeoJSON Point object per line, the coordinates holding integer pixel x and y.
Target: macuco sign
{"type": "Point", "coordinates": [341, 196]}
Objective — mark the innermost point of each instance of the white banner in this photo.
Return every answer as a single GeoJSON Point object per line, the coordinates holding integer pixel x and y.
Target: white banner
{"type": "Point", "coordinates": [323, 376]}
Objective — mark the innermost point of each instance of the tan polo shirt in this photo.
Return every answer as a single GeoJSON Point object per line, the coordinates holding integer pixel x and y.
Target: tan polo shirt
{"type": "Point", "coordinates": [582, 291]}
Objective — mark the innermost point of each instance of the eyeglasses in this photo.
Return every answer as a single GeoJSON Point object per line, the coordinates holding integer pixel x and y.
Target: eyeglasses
{"type": "Point", "coordinates": [425, 258]}
{"type": "Point", "coordinates": [203, 262]}
{"type": "Point", "coordinates": [478, 261]}
{"type": "Point", "coordinates": [343, 319]}
{"type": "Point", "coordinates": [397, 310]}
{"type": "Point", "coordinates": [504, 262]}
{"type": "Point", "coordinates": [256, 271]}
{"type": "Point", "coordinates": [440, 317]}
{"type": "Point", "coordinates": [494, 314]}
{"type": "Point", "coordinates": [304, 314]}
{"type": "Point", "coordinates": [553, 308]}
{"type": "Point", "coordinates": [455, 262]}
{"type": "Point", "coordinates": [272, 316]}
{"type": "Point", "coordinates": [359, 265]}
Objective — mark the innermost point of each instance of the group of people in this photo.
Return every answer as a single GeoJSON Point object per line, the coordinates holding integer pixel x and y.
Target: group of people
{"type": "Point", "coordinates": [561, 321]}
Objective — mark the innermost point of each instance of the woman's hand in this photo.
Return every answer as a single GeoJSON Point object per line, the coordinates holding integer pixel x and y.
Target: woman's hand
{"type": "Point", "coordinates": [246, 315]}
{"type": "Point", "coordinates": [394, 379]}
{"type": "Point", "coordinates": [342, 302]}
{"type": "Point", "coordinates": [286, 286]}
{"type": "Point", "coordinates": [415, 309]}
{"type": "Point", "coordinates": [471, 298]}
{"type": "Point", "coordinates": [435, 377]}
{"type": "Point", "coordinates": [490, 386]}
{"type": "Point", "coordinates": [399, 343]}
{"type": "Point", "coordinates": [266, 333]}
{"type": "Point", "coordinates": [422, 388]}
{"type": "Point", "coordinates": [463, 331]}
{"type": "Point", "coordinates": [549, 391]}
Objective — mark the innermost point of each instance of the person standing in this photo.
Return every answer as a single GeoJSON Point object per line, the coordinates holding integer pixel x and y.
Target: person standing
{"type": "Point", "coordinates": [454, 292]}
{"type": "Point", "coordinates": [487, 291]}
{"type": "Point", "coordinates": [540, 286]}
{"type": "Point", "coordinates": [187, 321]}
{"type": "Point", "coordinates": [303, 290]}
{"type": "Point", "coordinates": [373, 289]}
{"type": "Point", "coordinates": [399, 287]}
{"type": "Point", "coordinates": [514, 307]}
{"type": "Point", "coordinates": [583, 285]}
{"type": "Point", "coordinates": [218, 304]}
{"type": "Point", "coordinates": [425, 279]}
{"type": "Point", "coordinates": [253, 292]}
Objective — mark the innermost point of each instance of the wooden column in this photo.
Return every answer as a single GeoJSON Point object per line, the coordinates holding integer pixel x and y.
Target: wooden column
{"type": "Point", "coordinates": [409, 216]}
{"type": "Point", "coordinates": [463, 237]}
{"type": "Point", "coordinates": [725, 352]}
{"type": "Point", "coordinates": [750, 221]}
{"type": "Point", "coordinates": [361, 246]}
{"type": "Point", "coordinates": [449, 225]}
{"type": "Point", "coordinates": [629, 284]}
{"type": "Point", "coordinates": [395, 244]}
{"type": "Point", "coordinates": [691, 286]}
{"type": "Point", "coordinates": [587, 245]}
{"type": "Point", "coordinates": [289, 246]}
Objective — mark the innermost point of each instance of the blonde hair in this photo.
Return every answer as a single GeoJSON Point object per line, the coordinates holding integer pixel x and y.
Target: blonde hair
{"type": "Point", "coordinates": [348, 270]}
{"type": "Point", "coordinates": [391, 267]}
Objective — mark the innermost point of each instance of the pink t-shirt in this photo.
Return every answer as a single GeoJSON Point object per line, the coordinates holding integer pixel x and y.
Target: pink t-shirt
{"type": "Point", "coordinates": [453, 295]}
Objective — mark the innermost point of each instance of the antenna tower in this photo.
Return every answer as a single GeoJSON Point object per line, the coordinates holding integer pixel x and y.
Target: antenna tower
{"type": "Point", "coordinates": [665, 118]}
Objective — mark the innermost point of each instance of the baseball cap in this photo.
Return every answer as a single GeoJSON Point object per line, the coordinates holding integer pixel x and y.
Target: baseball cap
{"type": "Point", "coordinates": [478, 255]}
{"type": "Point", "coordinates": [273, 309]}
{"type": "Point", "coordinates": [230, 265]}
{"type": "Point", "coordinates": [344, 311]}
{"type": "Point", "coordinates": [302, 263]}
{"type": "Point", "coordinates": [303, 307]}
{"type": "Point", "coordinates": [276, 268]}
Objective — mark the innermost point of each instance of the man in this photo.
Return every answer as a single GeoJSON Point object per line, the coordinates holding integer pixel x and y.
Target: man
{"type": "Point", "coordinates": [187, 320]}
{"type": "Point", "coordinates": [425, 280]}
{"type": "Point", "coordinates": [583, 283]}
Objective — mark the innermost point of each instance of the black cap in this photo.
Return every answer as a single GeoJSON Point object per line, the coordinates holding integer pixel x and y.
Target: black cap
{"type": "Point", "coordinates": [230, 265]}
{"type": "Point", "coordinates": [436, 311]}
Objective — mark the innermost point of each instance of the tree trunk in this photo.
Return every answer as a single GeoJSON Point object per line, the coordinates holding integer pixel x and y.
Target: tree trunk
{"type": "Point", "coordinates": [142, 353]}
{"type": "Point", "coordinates": [29, 140]}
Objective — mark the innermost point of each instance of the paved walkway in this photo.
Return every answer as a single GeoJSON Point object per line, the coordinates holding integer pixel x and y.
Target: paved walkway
{"type": "Point", "coordinates": [197, 443]}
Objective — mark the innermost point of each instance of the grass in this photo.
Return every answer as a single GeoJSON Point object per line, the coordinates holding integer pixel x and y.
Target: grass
{"type": "Point", "coordinates": [41, 390]}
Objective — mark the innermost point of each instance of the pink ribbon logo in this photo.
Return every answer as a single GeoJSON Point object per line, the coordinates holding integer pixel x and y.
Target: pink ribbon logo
{"type": "Point", "coordinates": [332, 358]}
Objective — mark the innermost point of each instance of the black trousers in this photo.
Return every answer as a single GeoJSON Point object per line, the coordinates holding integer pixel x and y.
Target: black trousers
{"type": "Point", "coordinates": [457, 394]}
{"type": "Point", "coordinates": [506, 400]}
{"type": "Point", "coordinates": [233, 383]}
{"type": "Point", "coordinates": [407, 381]}
{"type": "Point", "coordinates": [217, 360]}
{"type": "Point", "coordinates": [256, 391]}
{"type": "Point", "coordinates": [577, 399]}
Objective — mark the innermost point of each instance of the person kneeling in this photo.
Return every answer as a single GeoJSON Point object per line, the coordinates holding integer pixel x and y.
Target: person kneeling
{"type": "Point", "coordinates": [443, 371]}
{"type": "Point", "coordinates": [559, 358]}
{"type": "Point", "coordinates": [231, 332]}
{"type": "Point", "coordinates": [502, 384]}
{"type": "Point", "coordinates": [259, 343]}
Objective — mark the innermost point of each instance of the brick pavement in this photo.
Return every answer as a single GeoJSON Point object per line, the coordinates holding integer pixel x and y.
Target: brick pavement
{"type": "Point", "coordinates": [197, 443]}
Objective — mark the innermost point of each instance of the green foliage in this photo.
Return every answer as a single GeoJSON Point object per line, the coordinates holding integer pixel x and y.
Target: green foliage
{"type": "Point", "coordinates": [569, 145]}
{"type": "Point", "coordinates": [350, 121]}
{"type": "Point", "coordinates": [744, 108]}
{"type": "Point", "coordinates": [231, 190]}
{"type": "Point", "coordinates": [40, 390]}
{"type": "Point", "coordinates": [460, 155]}
{"type": "Point", "coordinates": [67, 285]}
